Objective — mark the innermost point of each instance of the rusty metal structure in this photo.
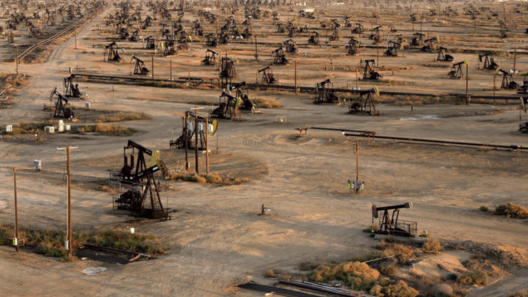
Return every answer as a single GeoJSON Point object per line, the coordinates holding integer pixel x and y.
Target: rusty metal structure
{"type": "Point", "coordinates": [392, 49]}
{"type": "Point", "coordinates": [366, 104]}
{"type": "Point", "coordinates": [267, 76]}
{"type": "Point", "coordinates": [210, 57]}
{"type": "Point", "coordinates": [143, 199]}
{"type": "Point", "coordinates": [62, 108]}
{"type": "Point", "coordinates": [227, 71]}
{"type": "Point", "coordinates": [489, 61]}
{"type": "Point", "coordinates": [71, 89]}
{"type": "Point", "coordinates": [325, 93]}
{"type": "Point", "coordinates": [368, 71]}
{"type": "Point", "coordinates": [443, 56]}
{"type": "Point", "coordinates": [352, 47]}
{"type": "Point", "coordinates": [456, 71]}
{"type": "Point", "coordinates": [139, 66]}
{"type": "Point", "coordinates": [391, 225]}
{"type": "Point", "coordinates": [279, 57]}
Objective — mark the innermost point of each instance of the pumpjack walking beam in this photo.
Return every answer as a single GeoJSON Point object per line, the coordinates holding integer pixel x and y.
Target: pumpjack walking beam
{"type": "Point", "coordinates": [391, 225]}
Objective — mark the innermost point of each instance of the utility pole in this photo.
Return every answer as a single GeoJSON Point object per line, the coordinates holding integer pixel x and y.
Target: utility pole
{"type": "Point", "coordinates": [357, 164]}
{"type": "Point", "coordinates": [467, 83]}
{"type": "Point", "coordinates": [16, 60]}
{"type": "Point", "coordinates": [295, 76]}
{"type": "Point", "coordinates": [256, 49]}
{"type": "Point", "coordinates": [357, 80]}
{"type": "Point", "coordinates": [207, 145]}
{"type": "Point", "coordinates": [16, 212]}
{"type": "Point", "coordinates": [377, 55]}
{"type": "Point", "coordinates": [152, 59]}
{"type": "Point", "coordinates": [185, 135]}
{"type": "Point", "coordinates": [514, 60]}
{"type": "Point", "coordinates": [196, 140]}
{"type": "Point", "coordinates": [170, 70]}
{"type": "Point", "coordinates": [494, 86]}
{"type": "Point", "coordinates": [69, 244]}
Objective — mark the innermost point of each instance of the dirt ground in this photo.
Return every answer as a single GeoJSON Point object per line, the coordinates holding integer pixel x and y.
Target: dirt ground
{"type": "Point", "coordinates": [216, 239]}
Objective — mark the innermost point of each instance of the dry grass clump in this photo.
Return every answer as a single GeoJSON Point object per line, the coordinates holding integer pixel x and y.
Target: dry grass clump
{"type": "Point", "coordinates": [511, 210]}
{"type": "Point", "coordinates": [518, 294]}
{"type": "Point", "coordinates": [50, 242]}
{"type": "Point", "coordinates": [389, 288]}
{"type": "Point", "coordinates": [388, 269]}
{"type": "Point", "coordinates": [475, 277]}
{"type": "Point", "coordinates": [123, 116]}
{"type": "Point", "coordinates": [269, 273]}
{"type": "Point", "coordinates": [110, 130]}
{"type": "Point", "coordinates": [213, 178]}
{"type": "Point", "coordinates": [30, 128]}
{"type": "Point", "coordinates": [355, 274]}
{"type": "Point", "coordinates": [371, 228]}
{"type": "Point", "coordinates": [432, 245]}
{"type": "Point", "coordinates": [266, 103]}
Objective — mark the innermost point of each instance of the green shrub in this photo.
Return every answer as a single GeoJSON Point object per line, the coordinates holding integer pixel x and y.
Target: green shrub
{"type": "Point", "coordinates": [511, 210]}
{"type": "Point", "coordinates": [483, 208]}
{"type": "Point", "coordinates": [51, 252]}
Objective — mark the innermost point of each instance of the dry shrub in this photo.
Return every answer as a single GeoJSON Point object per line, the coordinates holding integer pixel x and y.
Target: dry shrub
{"type": "Point", "coordinates": [475, 277]}
{"type": "Point", "coordinates": [212, 178]}
{"type": "Point", "coordinates": [30, 128]}
{"type": "Point", "coordinates": [111, 130]}
{"type": "Point", "coordinates": [123, 116]}
{"type": "Point", "coordinates": [518, 294]}
{"type": "Point", "coordinates": [432, 245]}
{"type": "Point", "coordinates": [388, 269]}
{"type": "Point", "coordinates": [269, 273]}
{"type": "Point", "coordinates": [266, 103]}
{"type": "Point", "coordinates": [194, 178]}
{"type": "Point", "coordinates": [356, 274]}
{"type": "Point", "coordinates": [511, 210]}
{"type": "Point", "coordinates": [400, 289]}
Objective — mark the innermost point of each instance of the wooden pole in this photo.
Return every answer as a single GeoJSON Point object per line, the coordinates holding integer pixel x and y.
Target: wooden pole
{"type": "Point", "coordinates": [16, 59]}
{"type": "Point", "coordinates": [494, 86]}
{"type": "Point", "coordinates": [357, 164]}
{"type": "Point", "coordinates": [75, 30]}
{"type": "Point", "coordinates": [16, 212]}
{"type": "Point", "coordinates": [152, 59]}
{"type": "Point", "coordinates": [357, 80]}
{"type": "Point", "coordinates": [189, 77]}
{"type": "Point", "coordinates": [514, 60]}
{"type": "Point", "coordinates": [467, 84]}
{"type": "Point", "coordinates": [207, 146]}
{"type": "Point", "coordinates": [256, 49]}
{"type": "Point", "coordinates": [295, 76]}
{"type": "Point", "coordinates": [170, 69]}
{"type": "Point", "coordinates": [185, 135]}
{"type": "Point", "coordinates": [196, 141]}
{"type": "Point", "coordinates": [70, 247]}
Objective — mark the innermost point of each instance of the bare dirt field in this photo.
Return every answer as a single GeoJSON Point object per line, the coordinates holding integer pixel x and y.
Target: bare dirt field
{"type": "Point", "coordinates": [216, 240]}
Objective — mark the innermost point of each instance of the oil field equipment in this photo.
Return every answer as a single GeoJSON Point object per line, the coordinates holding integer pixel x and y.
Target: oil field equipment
{"type": "Point", "coordinates": [62, 107]}
{"type": "Point", "coordinates": [325, 94]}
{"type": "Point", "coordinates": [335, 35]}
{"type": "Point", "coordinates": [71, 89]}
{"type": "Point", "coordinates": [376, 36]}
{"type": "Point", "coordinates": [392, 49]}
{"type": "Point", "coordinates": [392, 29]}
{"type": "Point", "coordinates": [489, 61]}
{"type": "Point", "coordinates": [169, 48]}
{"type": "Point", "coordinates": [143, 200]}
{"type": "Point", "coordinates": [227, 71]}
{"type": "Point", "coordinates": [279, 57]}
{"type": "Point", "coordinates": [359, 29]}
{"type": "Point", "coordinates": [456, 70]}
{"type": "Point", "coordinates": [135, 164]}
{"type": "Point", "coordinates": [367, 104]}
{"type": "Point", "coordinates": [392, 225]}
{"type": "Point", "coordinates": [290, 46]}
{"type": "Point", "coordinates": [211, 41]}
{"type": "Point", "coordinates": [150, 42]}
{"type": "Point", "coordinates": [442, 56]}
{"type": "Point", "coordinates": [524, 88]}
{"type": "Point", "coordinates": [368, 71]}
{"type": "Point", "coordinates": [192, 119]}
{"type": "Point", "coordinates": [111, 53]}
{"type": "Point", "coordinates": [353, 47]}
{"type": "Point", "coordinates": [430, 46]}
{"type": "Point", "coordinates": [267, 75]}
{"type": "Point", "coordinates": [417, 40]}
{"type": "Point", "coordinates": [313, 38]}
{"type": "Point", "coordinates": [507, 80]}
{"type": "Point", "coordinates": [139, 68]}
{"type": "Point", "coordinates": [229, 103]}
{"type": "Point", "coordinates": [210, 57]}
